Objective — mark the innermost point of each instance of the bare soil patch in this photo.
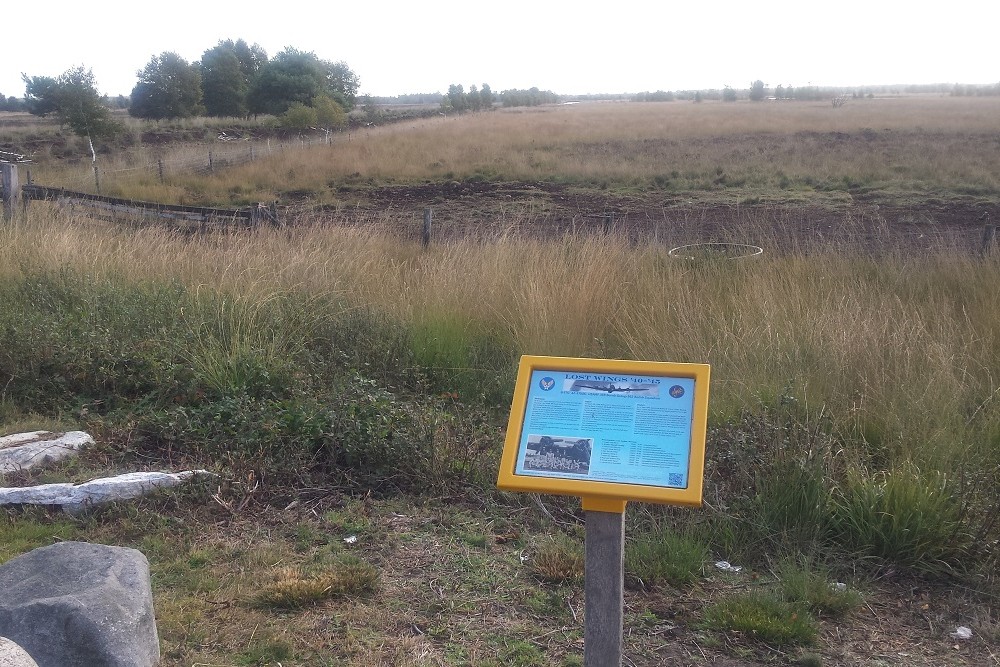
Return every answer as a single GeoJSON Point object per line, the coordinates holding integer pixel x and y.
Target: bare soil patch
{"type": "Point", "coordinates": [909, 221]}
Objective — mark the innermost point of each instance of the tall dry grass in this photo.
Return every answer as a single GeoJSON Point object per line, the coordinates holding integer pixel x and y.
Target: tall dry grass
{"type": "Point", "coordinates": [899, 145]}
{"type": "Point", "coordinates": [902, 144]}
{"type": "Point", "coordinates": [899, 352]}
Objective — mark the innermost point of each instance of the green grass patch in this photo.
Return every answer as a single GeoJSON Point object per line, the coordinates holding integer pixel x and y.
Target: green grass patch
{"type": "Point", "coordinates": [664, 556]}
{"type": "Point", "coordinates": [295, 587]}
{"type": "Point", "coordinates": [762, 617]}
{"type": "Point", "coordinates": [558, 559]}
{"type": "Point", "coordinates": [22, 532]}
{"type": "Point", "coordinates": [811, 585]}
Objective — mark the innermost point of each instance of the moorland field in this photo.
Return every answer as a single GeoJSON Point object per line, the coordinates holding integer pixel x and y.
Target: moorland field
{"type": "Point", "coordinates": [345, 381]}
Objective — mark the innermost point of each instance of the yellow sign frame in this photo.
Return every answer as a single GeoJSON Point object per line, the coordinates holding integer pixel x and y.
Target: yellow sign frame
{"type": "Point", "coordinates": [604, 496]}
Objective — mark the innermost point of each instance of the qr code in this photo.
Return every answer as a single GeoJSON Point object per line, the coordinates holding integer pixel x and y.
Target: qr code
{"type": "Point", "coordinates": [675, 479]}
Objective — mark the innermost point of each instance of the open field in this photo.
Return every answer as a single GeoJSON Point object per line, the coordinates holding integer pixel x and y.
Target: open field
{"type": "Point", "coordinates": [915, 167]}
{"type": "Point", "coordinates": [344, 382]}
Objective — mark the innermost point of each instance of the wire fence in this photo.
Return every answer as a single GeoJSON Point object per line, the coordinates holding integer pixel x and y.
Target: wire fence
{"type": "Point", "coordinates": [226, 151]}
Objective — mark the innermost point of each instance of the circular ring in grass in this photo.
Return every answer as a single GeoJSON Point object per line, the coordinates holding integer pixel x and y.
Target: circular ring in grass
{"type": "Point", "coordinates": [715, 251]}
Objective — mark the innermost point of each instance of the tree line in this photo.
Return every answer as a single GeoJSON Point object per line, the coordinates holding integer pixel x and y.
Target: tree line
{"type": "Point", "coordinates": [458, 100]}
{"type": "Point", "coordinates": [232, 79]}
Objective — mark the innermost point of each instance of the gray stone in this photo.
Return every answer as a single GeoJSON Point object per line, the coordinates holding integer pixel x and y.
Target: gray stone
{"type": "Point", "coordinates": [22, 451]}
{"type": "Point", "coordinates": [75, 604]}
{"type": "Point", "coordinates": [74, 498]}
{"type": "Point", "coordinates": [12, 655]}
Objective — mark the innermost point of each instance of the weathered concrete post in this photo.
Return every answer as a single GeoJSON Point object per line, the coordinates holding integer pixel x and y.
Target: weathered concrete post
{"type": "Point", "coordinates": [604, 589]}
{"type": "Point", "coordinates": [11, 189]}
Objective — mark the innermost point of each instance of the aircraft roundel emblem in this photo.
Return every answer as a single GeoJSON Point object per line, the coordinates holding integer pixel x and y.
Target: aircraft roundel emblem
{"type": "Point", "coordinates": [677, 391]}
{"type": "Point", "coordinates": [547, 383]}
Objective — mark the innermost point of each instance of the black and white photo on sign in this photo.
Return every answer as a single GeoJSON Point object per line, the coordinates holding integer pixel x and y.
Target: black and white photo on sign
{"type": "Point", "coordinates": [557, 453]}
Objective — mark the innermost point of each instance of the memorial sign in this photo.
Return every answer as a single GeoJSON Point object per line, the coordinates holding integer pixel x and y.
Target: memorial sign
{"type": "Point", "coordinates": [608, 431]}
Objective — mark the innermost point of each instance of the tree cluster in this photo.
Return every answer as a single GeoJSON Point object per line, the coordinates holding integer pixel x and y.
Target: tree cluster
{"type": "Point", "coordinates": [11, 103]}
{"type": "Point", "coordinates": [527, 98]}
{"type": "Point", "coordinates": [658, 96]}
{"type": "Point", "coordinates": [236, 79]}
{"type": "Point", "coordinates": [474, 100]}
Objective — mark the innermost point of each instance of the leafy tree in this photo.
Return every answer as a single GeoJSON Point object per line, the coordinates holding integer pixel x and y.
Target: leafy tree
{"type": "Point", "coordinates": [758, 91]}
{"type": "Point", "coordinates": [169, 87]}
{"type": "Point", "coordinates": [486, 97]}
{"type": "Point", "coordinates": [299, 76]}
{"type": "Point", "coordinates": [329, 114]}
{"type": "Point", "coordinates": [728, 94]}
{"type": "Point", "coordinates": [40, 94]}
{"type": "Point", "coordinates": [697, 96]}
{"type": "Point", "coordinates": [298, 116]}
{"type": "Point", "coordinates": [74, 99]}
{"type": "Point", "coordinates": [252, 58]}
{"type": "Point", "coordinates": [342, 84]}
{"type": "Point", "coordinates": [455, 100]}
{"type": "Point", "coordinates": [227, 72]}
{"type": "Point", "coordinates": [223, 86]}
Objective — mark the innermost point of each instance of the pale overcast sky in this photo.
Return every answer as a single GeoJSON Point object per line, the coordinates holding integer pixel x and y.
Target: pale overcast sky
{"type": "Point", "coordinates": [568, 47]}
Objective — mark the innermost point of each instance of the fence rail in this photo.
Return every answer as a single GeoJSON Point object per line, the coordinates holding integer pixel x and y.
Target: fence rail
{"type": "Point", "coordinates": [101, 206]}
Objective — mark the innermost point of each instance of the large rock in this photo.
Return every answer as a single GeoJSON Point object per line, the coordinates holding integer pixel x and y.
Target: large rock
{"type": "Point", "coordinates": [12, 655]}
{"type": "Point", "coordinates": [75, 498]}
{"type": "Point", "coordinates": [22, 451]}
{"type": "Point", "coordinates": [75, 604]}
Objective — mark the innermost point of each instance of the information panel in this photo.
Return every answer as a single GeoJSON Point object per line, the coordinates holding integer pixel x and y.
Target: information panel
{"type": "Point", "coordinates": [608, 429]}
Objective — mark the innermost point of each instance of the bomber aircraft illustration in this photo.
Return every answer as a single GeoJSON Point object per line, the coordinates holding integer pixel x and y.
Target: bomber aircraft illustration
{"type": "Point", "coordinates": [609, 387]}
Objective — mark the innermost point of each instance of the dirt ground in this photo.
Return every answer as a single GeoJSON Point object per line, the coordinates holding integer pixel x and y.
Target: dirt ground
{"type": "Point", "coordinates": [912, 221]}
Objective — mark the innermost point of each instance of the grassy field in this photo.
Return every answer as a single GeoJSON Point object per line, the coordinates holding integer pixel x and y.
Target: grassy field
{"type": "Point", "coordinates": [345, 384]}
{"type": "Point", "coordinates": [899, 146]}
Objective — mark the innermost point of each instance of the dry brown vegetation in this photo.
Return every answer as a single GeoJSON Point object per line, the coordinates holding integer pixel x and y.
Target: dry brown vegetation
{"type": "Point", "coordinates": [855, 379]}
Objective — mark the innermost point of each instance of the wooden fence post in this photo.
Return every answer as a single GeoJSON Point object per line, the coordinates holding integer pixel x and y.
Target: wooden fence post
{"type": "Point", "coordinates": [211, 165]}
{"type": "Point", "coordinates": [24, 198]}
{"type": "Point", "coordinates": [428, 216]}
{"type": "Point", "coordinates": [159, 164]}
{"type": "Point", "coordinates": [97, 179]}
{"type": "Point", "coordinates": [989, 238]}
{"type": "Point", "coordinates": [11, 189]}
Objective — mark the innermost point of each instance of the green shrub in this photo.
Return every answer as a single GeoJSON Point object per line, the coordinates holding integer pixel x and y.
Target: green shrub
{"type": "Point", "coordinates": [900, 517]}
